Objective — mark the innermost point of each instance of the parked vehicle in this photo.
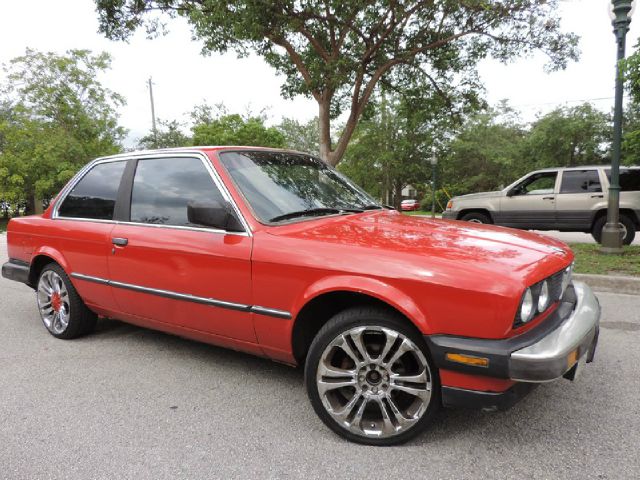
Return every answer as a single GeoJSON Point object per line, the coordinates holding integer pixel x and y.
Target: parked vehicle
{"type": "Point", "coordinates": [409, 205]}
{"type": "Point", "coordinates": [566, 199]}
{"type": "Point", "coordinates": [276, 254]}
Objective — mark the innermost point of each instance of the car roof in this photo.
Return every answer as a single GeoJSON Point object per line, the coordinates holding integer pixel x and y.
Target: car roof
{"type": "Point", "coordinates": [200, 149]}
{"type": "Point", "coordinates": [581, 167]}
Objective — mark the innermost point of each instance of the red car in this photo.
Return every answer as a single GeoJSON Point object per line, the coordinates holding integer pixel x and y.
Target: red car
{"type": "Point", "coordinates": [409, 205]}
{"type": "Point", "coordinates": [276, 254]}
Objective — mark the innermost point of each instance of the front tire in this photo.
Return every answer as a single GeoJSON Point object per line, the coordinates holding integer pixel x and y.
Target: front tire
{"type": "Point", "coordinates": [62, 311]}
{"type": "Point", "coordinates": [628, 227]}
{"type": "Point", "coordinates": [370, 377]}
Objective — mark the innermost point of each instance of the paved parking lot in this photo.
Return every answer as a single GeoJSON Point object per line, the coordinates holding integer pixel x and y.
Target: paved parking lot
{"type": "Point", "coordinates": [132, 403]}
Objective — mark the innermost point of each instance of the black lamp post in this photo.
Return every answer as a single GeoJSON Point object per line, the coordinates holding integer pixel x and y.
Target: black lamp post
{"type": "Point", "coordinates": [612, 232]}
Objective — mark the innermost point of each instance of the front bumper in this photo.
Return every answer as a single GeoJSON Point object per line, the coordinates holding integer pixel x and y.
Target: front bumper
{"type": "Point", "coordinates": [542, 354]}
{"type": "Point", "coordinates": [449, 215]}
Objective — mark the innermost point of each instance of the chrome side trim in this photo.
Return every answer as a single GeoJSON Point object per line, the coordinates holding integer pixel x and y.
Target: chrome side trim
{"type": "Point", "coordinates": [271, 312]}
{"type": "Point", "coordinates": [217, 180]}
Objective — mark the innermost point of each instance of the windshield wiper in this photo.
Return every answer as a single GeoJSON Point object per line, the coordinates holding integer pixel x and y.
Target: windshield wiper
{"type": "Point", "coordinates": [306, 213]}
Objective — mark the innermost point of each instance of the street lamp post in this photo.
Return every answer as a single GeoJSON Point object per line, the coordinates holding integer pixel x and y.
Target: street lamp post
{"type": "Point", "coordinates": [612, 232]}
{"type": "Point", "coordinates": [434, 178]}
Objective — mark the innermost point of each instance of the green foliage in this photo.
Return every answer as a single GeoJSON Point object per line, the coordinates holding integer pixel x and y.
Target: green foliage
{"type": "Point", "coordinates": [233, 129]}
{"type": "Point", "coordinates": [300, 136]}
{"type": "Point", "coordinates": [169, 134]}
{"type": "Point", "coordinates": [337, 52]}
{"type": "Point", "coordinates": [631, 134]}
{"type": "Point", "coordinates": [55, 117]}
{"type": "Point", "coordinates": [570, 136]}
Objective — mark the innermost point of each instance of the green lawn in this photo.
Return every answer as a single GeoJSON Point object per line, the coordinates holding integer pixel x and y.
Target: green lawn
{"type": "Point", "coordinates": [590, 260]}
{"type": "Point", "coordinates": [417, 212]}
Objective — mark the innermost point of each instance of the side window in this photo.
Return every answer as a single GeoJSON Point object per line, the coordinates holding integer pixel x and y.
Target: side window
{"type": "Point", "coordinates": [94, 196]}
{"type": "Point", "coordinates": [580, 181]}
{"type": "Point", "coordinates": [629, 179]}
{"type": "Point", "coordinates": [538, 184]}
{"type": "Point", "coordinates": [163, 187]}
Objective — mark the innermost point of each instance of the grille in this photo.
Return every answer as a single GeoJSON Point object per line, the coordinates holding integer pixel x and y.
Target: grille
{"type": "Point", "coordinates": [555, 286]}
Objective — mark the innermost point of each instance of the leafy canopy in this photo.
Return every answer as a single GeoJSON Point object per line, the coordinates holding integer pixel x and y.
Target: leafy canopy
{"type": "Point", "coordinates": [57, 116]}
{"type": "Point", "coordinates": [337, 51]}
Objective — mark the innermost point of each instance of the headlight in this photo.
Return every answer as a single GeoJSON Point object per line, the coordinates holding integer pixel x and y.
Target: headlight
{"type": "Point", "coordinates": [543, 297]}
{"type": "Point", "coordinates": [566, 278]}
{"type": "Point", "coordinates": [527, 309]}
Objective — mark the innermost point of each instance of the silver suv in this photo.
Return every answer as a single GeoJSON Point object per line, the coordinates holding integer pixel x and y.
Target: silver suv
{"type": "Point", "coordinates": [566, 199]}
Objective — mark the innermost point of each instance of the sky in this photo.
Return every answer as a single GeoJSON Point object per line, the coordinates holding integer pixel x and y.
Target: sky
{"type": "Point", "coordinates": [183, 78]}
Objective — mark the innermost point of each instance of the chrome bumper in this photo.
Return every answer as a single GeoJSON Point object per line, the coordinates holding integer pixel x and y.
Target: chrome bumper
{"type": "Point", "coordinates": [556, 353]}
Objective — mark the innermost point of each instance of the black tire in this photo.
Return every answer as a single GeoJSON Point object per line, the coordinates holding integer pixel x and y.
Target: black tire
{"type": "Point", "coordinates": [371, 317]}
{"type": "Point", "coordinates": [80, 320]}
{"type": "Point", "coordinates": [596, 231]}
{"type": "Point", "coordinates": [476, 217]}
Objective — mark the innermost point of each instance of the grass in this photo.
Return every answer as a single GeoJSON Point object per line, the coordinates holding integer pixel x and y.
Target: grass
{"type": "Point", "coordinates": [590, 260]}
{"type": "Point", "coordinates": [3, 225]}
{"type": "Point", "coordinates": [417, 212]}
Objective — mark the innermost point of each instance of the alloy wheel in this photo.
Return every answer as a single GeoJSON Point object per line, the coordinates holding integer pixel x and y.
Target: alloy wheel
{"type": "Point", "coordinates": [53, 302]}
{"type": "Point", "coordinates": [374, 382]}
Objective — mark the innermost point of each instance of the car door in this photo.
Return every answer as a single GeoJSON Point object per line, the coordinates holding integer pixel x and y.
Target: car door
{"type": "Point", "coordinates": [166, 269]}
{"type": "Point", "coordinates": [530, 204]}
{"type": "Point", "coordinates": [579, 196]}
{"type": "Point", "coordinates": [81, 229]}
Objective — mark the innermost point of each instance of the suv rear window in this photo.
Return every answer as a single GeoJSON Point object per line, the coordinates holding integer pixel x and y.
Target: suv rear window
{"type": "Point", "coordinates": [94, 196]}
{"type": "Point", "coordinates": [580, 181]}
{"type": "Point", "coordinates": [629, 179]}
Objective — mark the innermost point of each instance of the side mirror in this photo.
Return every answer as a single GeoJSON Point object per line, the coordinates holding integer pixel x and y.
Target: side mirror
{"type": "Point", "coordinates": [513, 192]}
{"type": "Point", "coordinates": [214, 214]}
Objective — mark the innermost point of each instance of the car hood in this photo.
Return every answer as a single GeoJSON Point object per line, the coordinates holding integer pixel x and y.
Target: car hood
{"type": "Point", "coordinates": [472, 196]}
{"type": "Point", "coordinates": [411, 243]}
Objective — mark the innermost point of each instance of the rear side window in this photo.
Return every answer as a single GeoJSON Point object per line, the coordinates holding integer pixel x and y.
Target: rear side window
{"type": "Point", "coordinates": [629, 179]}
{"type": "Point", "coordinates": [580, 181]}
{"type": "Point", "coordinates": [94, 196]}
{"type": "Point", "coordinates": [162, 189]}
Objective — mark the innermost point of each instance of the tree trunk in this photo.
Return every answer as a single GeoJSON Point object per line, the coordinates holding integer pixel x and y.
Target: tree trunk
{"type": "Point", "coordinates": [30, 207]}
{"type": "Point", "coordinates": [397, 195]}
{"type": "Point", "coordinates": [324, 123]}
{"type": "Point", "coordinates": [37, 205]}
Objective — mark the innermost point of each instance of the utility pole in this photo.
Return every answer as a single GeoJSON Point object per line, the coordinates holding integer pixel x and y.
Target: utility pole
{"type": "Point", "coordinates": [153, 115]}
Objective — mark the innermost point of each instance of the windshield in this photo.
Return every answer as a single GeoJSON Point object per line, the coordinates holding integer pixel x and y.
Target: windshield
{"type": "Point", "coordinates": [283, 185]}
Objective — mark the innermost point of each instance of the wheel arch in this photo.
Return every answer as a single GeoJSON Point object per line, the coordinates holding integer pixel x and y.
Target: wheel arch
{"type": "Point", "coordinates": [484, 211]}
{"type": "Point", "coordinates": [623, 211]}
{"type": "Point", "coordinates": [41, 258]}
{"type": "Point", "coordinates": [326, 299]}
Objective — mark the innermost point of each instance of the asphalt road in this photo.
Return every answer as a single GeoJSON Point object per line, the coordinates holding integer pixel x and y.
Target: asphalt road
{"type": "Point", "coordinates": [132, 403]}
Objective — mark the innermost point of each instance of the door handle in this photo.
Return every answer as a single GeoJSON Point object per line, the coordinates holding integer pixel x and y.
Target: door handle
{"type": "Point", "coordinates": [597, 196]}
{"type": "Point", "coordinates": [121, 242]}
{"type": "Point", "coordinates": [548, 198]}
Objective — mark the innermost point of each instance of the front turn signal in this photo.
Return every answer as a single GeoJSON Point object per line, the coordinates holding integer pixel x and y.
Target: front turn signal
{"type": "Point", "coordinates": [467, 359]}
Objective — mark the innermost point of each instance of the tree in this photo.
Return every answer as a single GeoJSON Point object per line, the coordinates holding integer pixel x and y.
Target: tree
{"type": "Point", "coordinates": [301, 136]}
{"type": "Point", "coordinates": [60, 117]}
{"type": "Point", "coordinates": [487, 152]}
{"type": "Point", "coordinates": [337, 52]}
{"type": "Point", "coordinates": [217, 127]}
{"type": "Point", "coordinates": [570, 136]}
{"type": "Point", "coordinates": [392, 148]}
{"type": "Point", "coordinates": [168, 135]}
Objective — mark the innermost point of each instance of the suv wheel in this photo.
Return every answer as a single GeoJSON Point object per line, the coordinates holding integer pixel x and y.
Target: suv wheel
{"type": "Point", "coordinates": [370, 377]}
{"type": "Point", "coordinates": [63, 312]}
{"type": "Point", "coordinates": [628, 229]}
{"type": "Point", "coordinates": [476, 217]}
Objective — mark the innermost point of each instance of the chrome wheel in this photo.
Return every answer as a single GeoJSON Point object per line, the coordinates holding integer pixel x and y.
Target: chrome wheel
{"type": "Point", "coordinates": [374, 382]}
{"type": "Point", "coordinates": [474, 220]}
{"type": "Point", "coordinates": [53, 302]}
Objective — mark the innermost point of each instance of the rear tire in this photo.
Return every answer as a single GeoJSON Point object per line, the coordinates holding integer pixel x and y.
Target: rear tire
{"type": "Point", "coordinates": [390, 390]}
{"type": "Point", "coordinates": [62, 311]}
{"type": "Point", "coordinates": [476, 217]}
{"type": "Point", "coordinates": [627, 224]}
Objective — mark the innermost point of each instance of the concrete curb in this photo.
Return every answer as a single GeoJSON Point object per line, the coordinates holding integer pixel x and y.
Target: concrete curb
{"type": "Point", "coordinates": [610, 283]}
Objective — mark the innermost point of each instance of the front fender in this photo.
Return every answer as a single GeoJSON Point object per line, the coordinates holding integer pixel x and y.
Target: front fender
{"type": "Point", "coordinates": [373, 287]}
